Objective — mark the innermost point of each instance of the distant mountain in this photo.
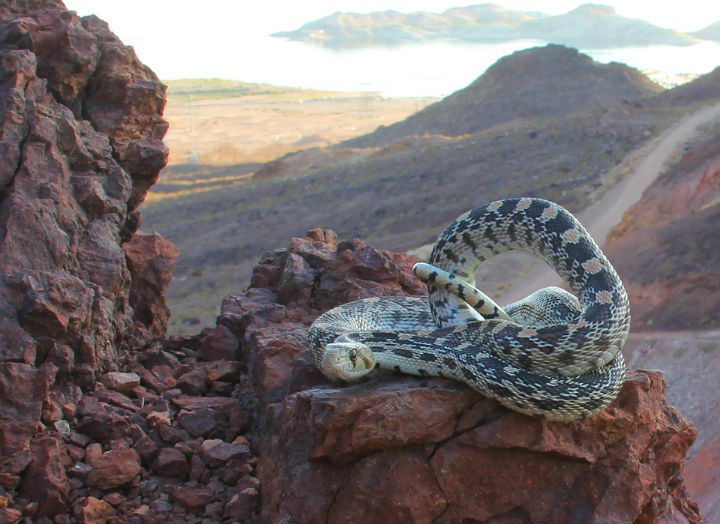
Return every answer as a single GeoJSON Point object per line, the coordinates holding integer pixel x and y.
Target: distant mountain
{"type": "Point", "coordinates": [535, 83]}
{"type": "Point", "coordinates": [593, 26]}
{"type": "Point", "coordinates": [588, 26]}
{"type": "Point", "coordinates": [393, 27]}
{"type": "Point", "coordinates": [711, 32]}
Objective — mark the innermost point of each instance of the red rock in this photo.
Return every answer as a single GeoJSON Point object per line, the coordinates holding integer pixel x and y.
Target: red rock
{"type": "Point", "coordinates": [171, 462]}
{"type": "Point", "coordinates": [82, 130]}
{"type": "Point", "coordinates": [216, 452]}
{"type": "Point", "coordinates": [199, 423]}
{"type": "Point", "coordinates": [197, 468]}
{"type": "Point", "coordinates": [8, 480]}
{"type": "Point", "coordinates": [120, 382]}
{"type": "Point", "coordinates": [146, 448]}
{"type": "Point", "coordinates": [113, 397]}
{"type": "Point", "coordinates": [10, 515]}
{"type": "Point", "coordinates": [218, 343]}
{"type": "Point", "coordinates": [219, 404]}
{"type": "Point", "coordinates": [151, 259]}
{"type": "Point", "coordinates": [96, 511]}
{"type": "Point", "coordinates": [241, 505]}
{"type": "Point", "coordinates": [223, 370]}
{"type": "Point", "coordinates": [364, 464]}
{"type": "Point", "coordinates": [101, 422]}
{"type": "Point", "coordinates": [193, 498]}
{"type": "Point", "coordinates": [114, 469]}
{"type": "Point", "coordinates": [114, 498]}
{"type": "Point", "coordinates": [45, 481]}
{"type": "Point", "coordinates": [194, 382]}
{"type": "Point", "coordinates": [22, 391]}
{"type": "Point", "coordinates": [702, 476]}
{"type": "Point", "coordinates": [247, 482]}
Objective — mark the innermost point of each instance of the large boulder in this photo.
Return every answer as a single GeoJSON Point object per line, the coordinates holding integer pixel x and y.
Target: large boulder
{"type": "Point", "coordinates": [405, 449]}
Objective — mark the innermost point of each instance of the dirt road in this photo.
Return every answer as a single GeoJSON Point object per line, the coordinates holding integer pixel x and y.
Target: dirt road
{"type": "Point", "coordinates": [646, 165]}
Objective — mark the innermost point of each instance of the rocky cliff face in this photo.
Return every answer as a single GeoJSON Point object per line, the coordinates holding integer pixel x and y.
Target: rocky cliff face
{"type": "Point", "coordinates": [81, 145]}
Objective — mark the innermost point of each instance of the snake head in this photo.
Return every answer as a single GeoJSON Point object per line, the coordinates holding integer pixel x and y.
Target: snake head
{"type": "Point", "coordinates": [347, 360]}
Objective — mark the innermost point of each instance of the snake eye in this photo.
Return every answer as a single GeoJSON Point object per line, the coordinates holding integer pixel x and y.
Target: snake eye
{"type": "Point", "coordinates": [353, 355]}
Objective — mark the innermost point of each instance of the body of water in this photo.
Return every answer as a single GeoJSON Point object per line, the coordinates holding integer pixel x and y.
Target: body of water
{"type": "Point", "coordinates": [428, 69]}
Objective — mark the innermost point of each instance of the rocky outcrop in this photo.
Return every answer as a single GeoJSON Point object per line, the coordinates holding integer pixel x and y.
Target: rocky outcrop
{"type": "Point", "coordinates": [403, 449]}
{"type": "Point", "coordinates": [666, 248]}
{"type": "Point", "coordinates": [81, 144]}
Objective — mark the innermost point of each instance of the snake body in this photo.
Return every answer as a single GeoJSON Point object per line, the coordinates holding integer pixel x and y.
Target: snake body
{"type": "Point", "coordinates": [553, 354]}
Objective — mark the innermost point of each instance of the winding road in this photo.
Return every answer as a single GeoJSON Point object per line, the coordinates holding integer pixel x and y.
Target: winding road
{"type": "Point", "coordinates": [646, 164]}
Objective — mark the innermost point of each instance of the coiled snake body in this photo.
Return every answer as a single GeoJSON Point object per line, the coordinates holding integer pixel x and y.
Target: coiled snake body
{"type": "Point", "coordinates": [552, 354]}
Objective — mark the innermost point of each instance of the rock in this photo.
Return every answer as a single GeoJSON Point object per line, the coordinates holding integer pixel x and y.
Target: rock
{"type": "Point", "coordinates": [146, 448]}
{"type": "Point", "coordinates": [22, 391]}
{"type": "Point", "coordinates": [703, 480]}
{"type": "Point", "coordinates": [45, 481]}
{"type": "Point", "coordinates": [171, 462]}
{"type": "Point", "coordinates": [241, 505]}
{"type": "Point", "coordinates": [10, 515]}
{"type": "Point", "coordinates": [96, 511]}
{"type": "Point", "coordinates": [216, 452]}
{"type": "Point", "coordinates": [405, 449]}
{"type": "Point", "coordinates": [223, 371]}
{"type": "Point", "coordinates": [218, 343]}
{"type": "Point", "coordinates": [117, 399]}
{"type": "Point", "coordinates": [271, 317]}
{"type": "Point", "coordinates": [151, 259]}
{"type": "Point", "coordinates": [621, 465]}
{"type": "Point", "coordinates": [199, 423]}
{"type": "Point", "coordinates": [101, 422]}
{"type": "Point", "coordinates": [120, 382]}
{"type": "Point", "coordinates": [194, 382]}
{"type": "Point", "coordinates": [193, 498]}
{"type": "Point", "coordinates": [672, 223]}
{"type": "Point", "coordinates": [114, 498]}
{"type": "Point", "coordinates": [114, 469]}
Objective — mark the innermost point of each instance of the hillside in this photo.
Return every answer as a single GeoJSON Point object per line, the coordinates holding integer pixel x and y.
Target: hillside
{"type": "Point", "coordinates": [711, 32]}
{"type": "Point", "coordinates": [398, 196]}
{"type": "Point", "coordinates": [590, 26]}
{"type": "Point", "coordinates": [543, 82]}
{"type": "Point", "coordinates": [667, 249]}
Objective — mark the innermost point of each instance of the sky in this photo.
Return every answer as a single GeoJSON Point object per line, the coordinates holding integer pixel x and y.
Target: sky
{"type": "Point", "coordinates": [168, 34]}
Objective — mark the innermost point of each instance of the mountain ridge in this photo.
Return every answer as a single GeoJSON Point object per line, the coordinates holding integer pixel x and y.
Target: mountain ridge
{"type": "Point", "coordinates": [590, 26]}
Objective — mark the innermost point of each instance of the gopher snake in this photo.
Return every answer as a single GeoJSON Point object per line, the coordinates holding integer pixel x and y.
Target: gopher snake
{"type": "Point", "coordinates": [551, 354]}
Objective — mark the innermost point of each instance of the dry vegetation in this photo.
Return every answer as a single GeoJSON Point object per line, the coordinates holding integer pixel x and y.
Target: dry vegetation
{"type": "Point", "coordinates": [220, 122]}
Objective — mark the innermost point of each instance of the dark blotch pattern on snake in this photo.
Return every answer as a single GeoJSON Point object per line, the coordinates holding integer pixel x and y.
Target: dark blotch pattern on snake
{"type": "Point", "coordinates": [553, 354]}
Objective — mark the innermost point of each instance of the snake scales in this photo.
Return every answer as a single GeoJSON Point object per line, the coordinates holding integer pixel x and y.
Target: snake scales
{"type": "Point", "coordinates": [551, 354]}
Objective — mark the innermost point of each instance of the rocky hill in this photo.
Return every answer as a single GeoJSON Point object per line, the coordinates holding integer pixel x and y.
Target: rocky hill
{"type": "Point", "coordinates": [544, 82]}
{"type": "Point", "coordinates": [588, 26]}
